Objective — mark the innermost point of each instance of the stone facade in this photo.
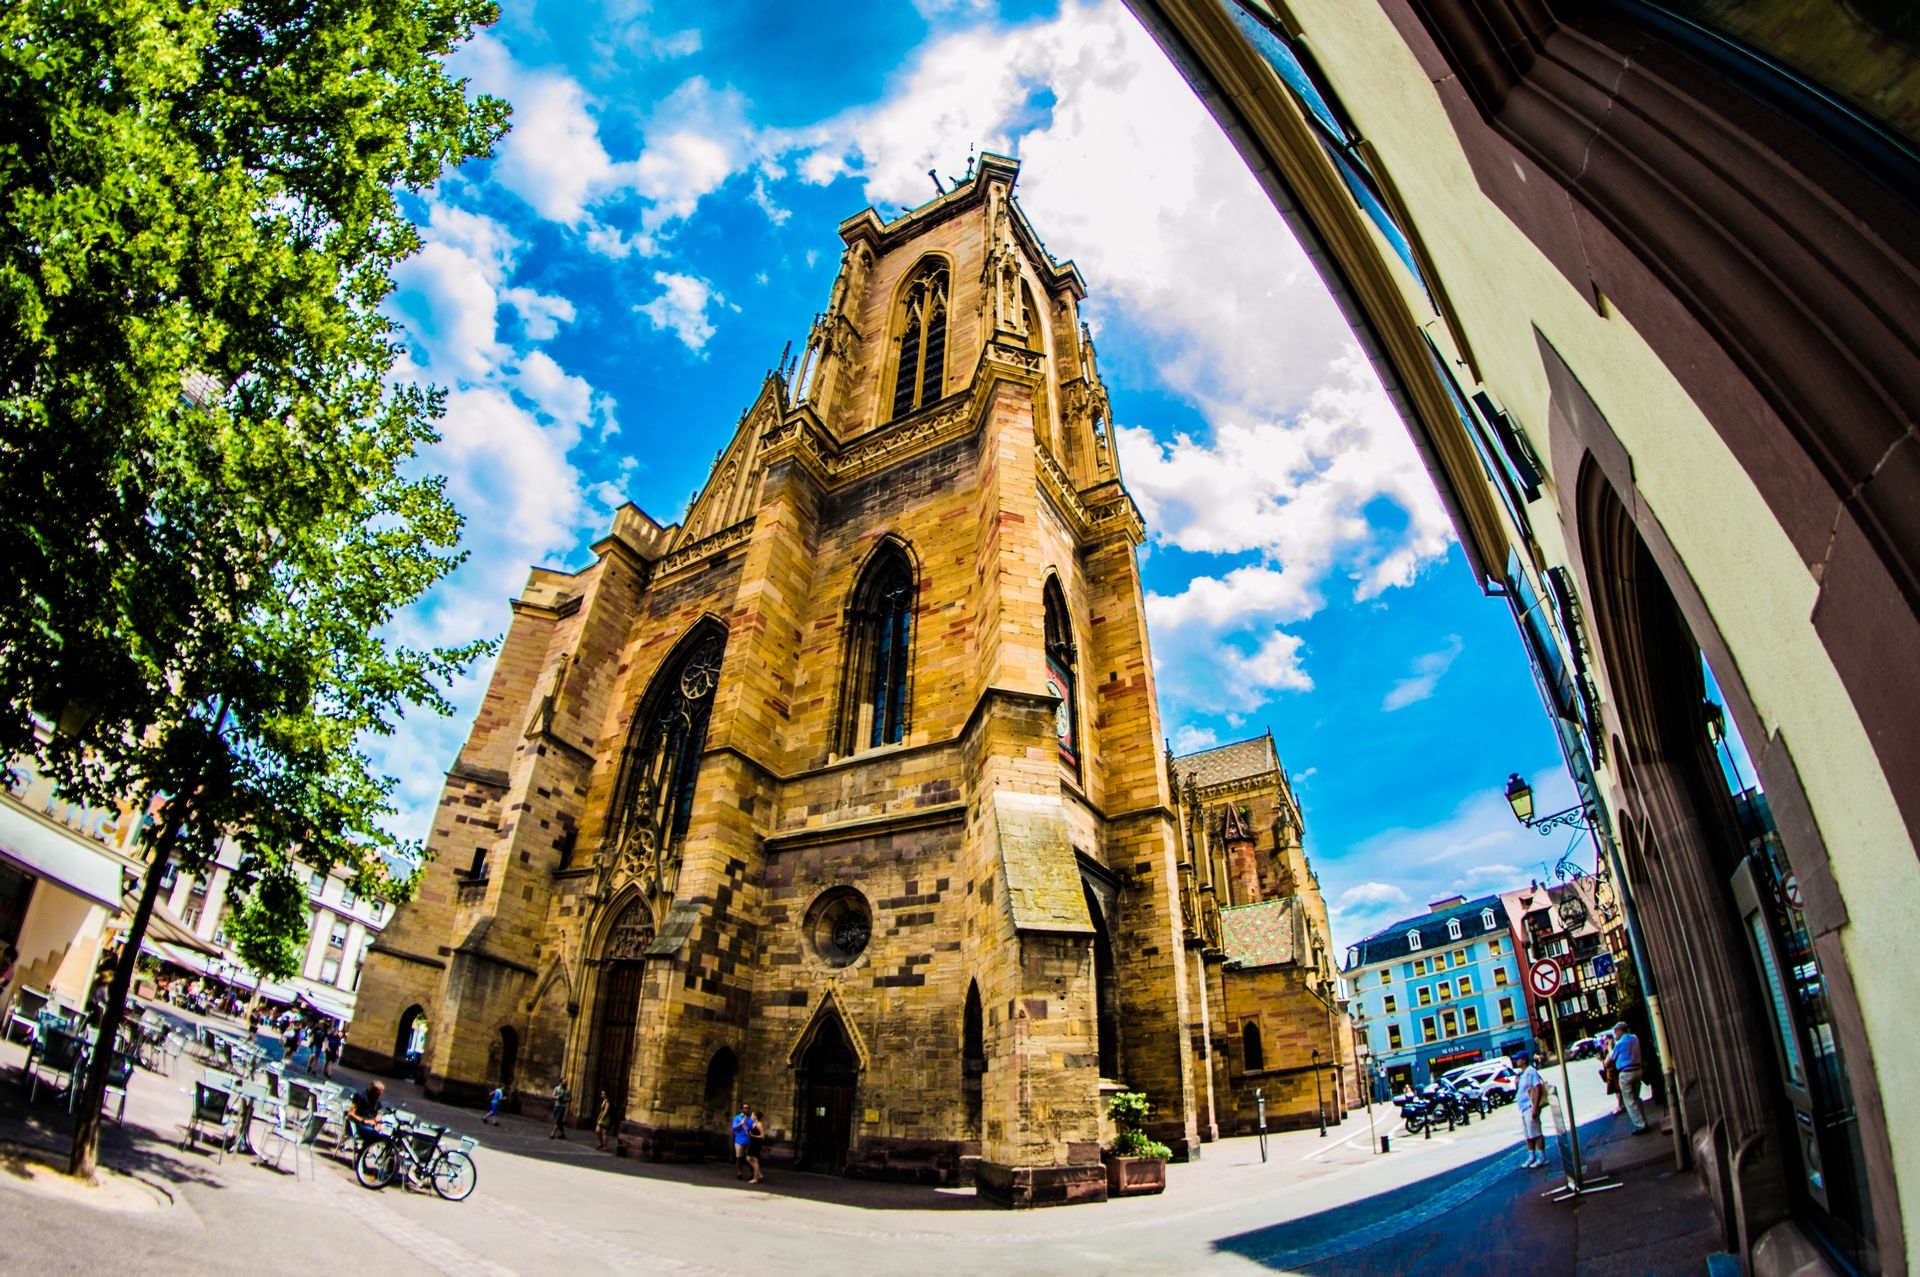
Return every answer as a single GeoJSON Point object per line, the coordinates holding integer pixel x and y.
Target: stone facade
{"type": "Point", "coordinates": [1260, 948]}
{"type": "Point", "coordinates": [842, 796]}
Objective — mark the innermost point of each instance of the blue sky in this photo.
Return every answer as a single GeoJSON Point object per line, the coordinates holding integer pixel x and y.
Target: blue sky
{"type": "Point", "coordinates": [604, 296]}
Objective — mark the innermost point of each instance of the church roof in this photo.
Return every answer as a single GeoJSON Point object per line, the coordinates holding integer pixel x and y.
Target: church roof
{"type": "Point", "coordinates": [1224, 763]}
{"type": "Point", "coordinates": [1259, 935]}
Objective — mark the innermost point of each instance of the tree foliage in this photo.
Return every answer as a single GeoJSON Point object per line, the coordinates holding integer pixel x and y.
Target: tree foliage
{"type": "Point", "coordinates": [209, 507]}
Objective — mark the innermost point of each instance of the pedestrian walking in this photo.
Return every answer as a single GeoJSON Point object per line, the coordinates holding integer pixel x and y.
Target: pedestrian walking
{"type": "Point", "coordinates": [1530, 1097]}
{"type": "Point", "coordinates": [493, 1106]}
{"type": "Point", "coordinates": [316, 1051]}
{"type": "Point", "coordinates": [742, 1128]}
{"type": "Point", "coordinates": [336, 1038]}
{"type": "Point", "coordinates": [1628, 1067]}
{"type": "Point", "coordinates": [756, 1133]}
{"type": "Point", "coordinates": [560, 1097]}
{"type": "Point", "coordinates": [602, 1119]}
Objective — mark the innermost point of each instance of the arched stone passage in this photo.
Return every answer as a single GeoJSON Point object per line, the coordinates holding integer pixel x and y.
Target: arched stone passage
{"type": "Point", "coordinates": [409, 1038]}
{"type": "Point", "coordinates": [617, 1015]}
{"type": "Point", "coordinates": [828, 1082]}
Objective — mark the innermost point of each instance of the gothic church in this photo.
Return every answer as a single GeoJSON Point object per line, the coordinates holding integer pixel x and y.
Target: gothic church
{"type": "Point", "coordinates": [844, 796]}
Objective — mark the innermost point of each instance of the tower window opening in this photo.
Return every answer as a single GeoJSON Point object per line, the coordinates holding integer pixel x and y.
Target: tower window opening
{"type": "Point", "coordinates": [920, 377]}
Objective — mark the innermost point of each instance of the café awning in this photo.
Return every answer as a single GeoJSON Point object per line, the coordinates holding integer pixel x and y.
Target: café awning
{"type": "Point", "coordinates": [328, 1002]}
{"type": "Point", "coordinates": [58, 855]}
{"type": "Point", "coordinates": [164, 928]}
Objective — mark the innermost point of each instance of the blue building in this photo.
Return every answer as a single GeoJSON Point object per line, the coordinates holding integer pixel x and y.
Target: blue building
{"type": "Point", "coordinates": [1438, 990]}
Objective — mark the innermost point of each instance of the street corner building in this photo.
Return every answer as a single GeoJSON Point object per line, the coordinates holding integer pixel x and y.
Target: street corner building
{"type": "Point", "coordinates": [845, 795]}
{"type": "Point", "coordinates": [1277, 1043]}
{"type": "Point", "coordinates": [1643, 279]}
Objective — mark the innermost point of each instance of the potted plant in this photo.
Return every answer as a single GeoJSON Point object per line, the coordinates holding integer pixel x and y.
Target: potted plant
{"type": "Point", "coordinates": [1136, 1164]}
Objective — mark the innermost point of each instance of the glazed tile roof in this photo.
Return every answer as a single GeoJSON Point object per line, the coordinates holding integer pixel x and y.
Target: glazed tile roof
{"type": "Point", "coordinates": [1224, 763]}
{"type": "Point", "coordinates": [1259, 935]}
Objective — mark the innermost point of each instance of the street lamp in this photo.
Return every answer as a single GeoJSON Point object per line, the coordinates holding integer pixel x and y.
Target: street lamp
{"type": "Point", "coordinates": [1520, 798]}
{"type": "Point", "coordinates": [1318, 1099]}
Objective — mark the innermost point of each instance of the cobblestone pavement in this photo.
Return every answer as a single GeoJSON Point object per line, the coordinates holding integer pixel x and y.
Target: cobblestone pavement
{"type": "Point", "coordinates": [1453, 1203]}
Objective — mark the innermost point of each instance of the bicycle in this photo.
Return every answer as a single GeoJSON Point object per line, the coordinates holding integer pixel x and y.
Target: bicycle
{"type": "Point", "coordinates": [415, 1156]}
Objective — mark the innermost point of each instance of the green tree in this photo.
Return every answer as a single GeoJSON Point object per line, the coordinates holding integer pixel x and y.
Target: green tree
{"type": "Point", "coordinates": [209, 509]}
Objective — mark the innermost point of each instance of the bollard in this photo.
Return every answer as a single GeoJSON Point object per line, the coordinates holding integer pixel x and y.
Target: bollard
{"type": "Point", "coordinates": [1385, 1145]}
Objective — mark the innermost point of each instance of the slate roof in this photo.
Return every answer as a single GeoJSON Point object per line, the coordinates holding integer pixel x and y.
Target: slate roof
{"type": "Point", "coordinates": [1389, 944]}
{"type": "Point", "coordinates": [1224, 763]}
{"type": "Point", "coordinates": [1259, 935]}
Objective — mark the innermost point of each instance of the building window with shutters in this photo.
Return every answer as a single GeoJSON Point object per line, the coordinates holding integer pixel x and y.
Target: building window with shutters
{"type": "Point", "coordinates": [921, 361]}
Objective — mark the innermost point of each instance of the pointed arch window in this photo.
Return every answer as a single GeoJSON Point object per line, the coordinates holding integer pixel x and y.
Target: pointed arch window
{"type": "Point", "coordinates": [921, 374]}
{"type": "Point", "coordinates": [1061, 662]}
{"type": "Point", "coordinates": [662, 759]}
{"type": "Point", "coordinates": [1255, 1057]}
{"type": "Point", "coordinates": [880, 656]}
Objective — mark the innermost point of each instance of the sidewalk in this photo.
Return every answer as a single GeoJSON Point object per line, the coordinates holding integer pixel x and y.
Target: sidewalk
{"type": "Point", "coordinates": [1495, 1218]}
{"type": "Point", "coordinates": [1456, 1202]}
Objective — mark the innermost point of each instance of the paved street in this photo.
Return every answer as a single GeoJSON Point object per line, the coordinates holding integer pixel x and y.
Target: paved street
{"type": "Point", "coordinates": [1451, 1203]}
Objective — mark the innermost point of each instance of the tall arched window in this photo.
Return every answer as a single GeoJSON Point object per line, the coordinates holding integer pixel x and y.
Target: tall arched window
{"type": "Point", "coordinates": [662, 759]}
{"type": "Point", "coordinates": [1060, 673]}
{"type": "Point", "coordinates": [880, 652]}
{"type": "Point", "coordinates": [1254, 1056]}
{"type": "Point", "coordinates": [920, 377]}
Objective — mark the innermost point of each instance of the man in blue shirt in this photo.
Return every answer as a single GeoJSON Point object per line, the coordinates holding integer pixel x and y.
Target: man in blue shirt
{"type": "Point", "coordinates": [742, 1135]}
{"type": "Point", "coordinates": [1627, 1068]}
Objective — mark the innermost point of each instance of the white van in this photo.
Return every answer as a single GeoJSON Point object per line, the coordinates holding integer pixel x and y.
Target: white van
{"type": "Point", "coordinates": [1496, 1074]}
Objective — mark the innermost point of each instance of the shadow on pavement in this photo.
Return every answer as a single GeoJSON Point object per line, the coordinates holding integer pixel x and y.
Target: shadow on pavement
{"type": "Point", "coordinates": [524, 1136]}
{"type": "Point", "coordinates": [1492, 1216]}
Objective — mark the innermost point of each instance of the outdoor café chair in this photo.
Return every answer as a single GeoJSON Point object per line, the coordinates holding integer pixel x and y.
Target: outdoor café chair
{"type": "Point", "coordinates": [215, 1110]}
{"type": "Point", "coordinates": [299, 1130]}
{"type": "Point", "coordinates": [27, 1005]}
{"type": "Point", "coordinates": [59, 1052]}
{"type": "Point", "coordinates": [119, 1073]}
{"type": "Point", "coordinates": [300, 1096]}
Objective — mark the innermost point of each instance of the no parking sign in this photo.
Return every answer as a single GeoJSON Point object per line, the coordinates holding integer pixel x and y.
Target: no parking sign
{"type": "Point", "coordinates": [1543, 977]}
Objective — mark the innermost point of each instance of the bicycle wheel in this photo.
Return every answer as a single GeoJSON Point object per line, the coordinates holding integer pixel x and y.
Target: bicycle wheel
{"type": "Point", "coordinates": [454, 1175]}
{"type": "Point", "coordinates": [377, 1164]}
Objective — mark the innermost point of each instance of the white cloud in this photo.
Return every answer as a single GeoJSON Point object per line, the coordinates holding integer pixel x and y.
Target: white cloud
{"type": "Point", "coordinates": [555, 160]}
{"type": "Point", "coordinates": [676, 170]}
{"type": "Point", "coordinates": [682, 308]}
{"type": "Point", "coordinates": [1372, 894]}
{"type": "Point", "coordinates": [541, 314]}
{"type": "Point", "coordinates": [1191, 740]}
{"type": "Point", "coordinates": [1273, 666]}
{"type": "Point", "coordinates": [451, 308]}
{"type": "Point", "coordinates": [561, 397]}
{"type": "Point", "coordinates": [1427, 672]}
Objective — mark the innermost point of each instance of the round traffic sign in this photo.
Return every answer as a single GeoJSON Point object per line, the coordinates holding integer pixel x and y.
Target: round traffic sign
{"type": "Point", "coordinates": [1544, 977]}
{"type": "Point", "coordinates": [1791, 889]}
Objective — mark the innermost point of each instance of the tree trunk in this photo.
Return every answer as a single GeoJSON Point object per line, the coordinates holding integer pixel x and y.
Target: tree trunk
{"type": "Point", "coordinates": [84, 1158]}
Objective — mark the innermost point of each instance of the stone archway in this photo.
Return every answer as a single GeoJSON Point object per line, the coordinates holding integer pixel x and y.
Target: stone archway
{"type": "Point", "coordinates": [829, 1081]}
{"type": "Point", "coordinates": [617, 1016]}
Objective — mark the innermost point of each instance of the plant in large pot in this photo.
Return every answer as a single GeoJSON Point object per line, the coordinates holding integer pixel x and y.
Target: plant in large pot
{"type": "Point", "coordinates": [1136, 1163]}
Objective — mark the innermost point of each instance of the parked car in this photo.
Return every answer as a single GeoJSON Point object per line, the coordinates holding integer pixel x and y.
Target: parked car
{"type": "Point", "coordinates": [1584, 1048]}
{"type": "Point", "coordinates": [1496, 1079]}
